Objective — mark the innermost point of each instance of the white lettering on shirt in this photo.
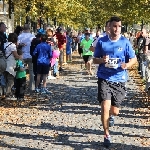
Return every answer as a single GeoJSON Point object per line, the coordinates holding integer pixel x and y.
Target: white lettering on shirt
{"type": "Point", "coordinates": [112, 63]}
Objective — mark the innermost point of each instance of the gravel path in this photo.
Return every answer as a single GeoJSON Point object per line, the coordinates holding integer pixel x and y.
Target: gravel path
{"type": "Point", "coordinates": [69, 119]}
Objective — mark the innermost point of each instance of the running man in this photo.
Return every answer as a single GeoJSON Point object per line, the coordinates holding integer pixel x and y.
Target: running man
{"type": "Point", "coordinates": [114, 54]}
{"type": "Point", "coordinates": [87, 53]}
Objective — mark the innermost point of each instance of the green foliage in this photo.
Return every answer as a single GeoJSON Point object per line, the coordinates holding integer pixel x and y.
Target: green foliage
{"type": "Point", "coordinates": [79, 13]}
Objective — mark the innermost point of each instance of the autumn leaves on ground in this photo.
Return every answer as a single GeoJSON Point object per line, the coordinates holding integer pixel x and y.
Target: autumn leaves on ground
{"type": "Point", "coordinates": [33, 118]}
{"type": "Point", "coordinates": [144, 100]}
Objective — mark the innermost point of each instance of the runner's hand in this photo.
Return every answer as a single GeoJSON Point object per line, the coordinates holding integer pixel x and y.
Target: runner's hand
{"type": "Point", "coordinates": [105, 58]}
{"type": "Point", "coordinates": [124, 65]}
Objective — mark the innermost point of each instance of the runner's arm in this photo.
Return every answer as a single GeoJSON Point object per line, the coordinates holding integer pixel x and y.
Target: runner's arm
{"type": "Point", "coordinates": [130, 57]}
{"type": "Point", "coordinates": [131, 62]}
{"type": "Point", "coordinates": [98, 60]}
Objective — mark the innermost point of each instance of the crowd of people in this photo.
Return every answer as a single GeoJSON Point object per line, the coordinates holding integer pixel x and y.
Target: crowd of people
{"type": "Point", "coordinates": [46, 50]}
{"type": "Point", "coordinates": [44, 54]}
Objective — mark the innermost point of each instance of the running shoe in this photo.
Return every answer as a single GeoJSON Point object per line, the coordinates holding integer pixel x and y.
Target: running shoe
{"type": "Point", "coordinates": [45, 91]}
{"type": "Point", "coordinates": [37, 90]}
{"type": "Point", "coordinates": [107, 141]}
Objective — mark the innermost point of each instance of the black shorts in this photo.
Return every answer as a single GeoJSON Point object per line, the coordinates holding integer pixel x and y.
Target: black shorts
{"type": "Point", "coordinates": [111, 91]}
{"type": "Point", "coordinates": [43, 69]}
{"type": "Point", "coordinates": [87, 58]}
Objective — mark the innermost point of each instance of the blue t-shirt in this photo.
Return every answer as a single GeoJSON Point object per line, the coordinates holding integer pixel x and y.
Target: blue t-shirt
{"type": "Point", "coordinates": [69, 41]}
{"type": "Point", "coordinates": [43, 52]}
{"type": "Point", "coordinates": [119, 51]}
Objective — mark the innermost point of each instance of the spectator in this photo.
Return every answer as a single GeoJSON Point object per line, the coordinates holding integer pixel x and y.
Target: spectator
{"type": "Point", "coordinates": [3, 40]}
{"type": "Point", "coordinates": [18, 30]}
{"type": "Point", "coordinates": [78, 41]}
{"type": "Point", "coordinates": [68, 47]}
{"type": "Point", "coordinates": [20, 77]}
{"type": "Point", "coordinates": [51, 41]}
{"type": "Point", "coordinates": [61, 44]}
{"type": "Point", "coordinates": [34, 43]}
{"type": "Point", "coordinates": [3, 37]}
{"type": "Point", "coordinates": [43, 53]}
{"type": "Point", "coordinates": [11, 54]}
{"type": "Point", "coordinates": [25, 39]}
{"type": "Point", "coordinates": [132, 39]}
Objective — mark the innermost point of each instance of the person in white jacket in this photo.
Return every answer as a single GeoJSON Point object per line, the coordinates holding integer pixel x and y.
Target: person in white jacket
{"type": "Point", "coordinates": [25, 39]}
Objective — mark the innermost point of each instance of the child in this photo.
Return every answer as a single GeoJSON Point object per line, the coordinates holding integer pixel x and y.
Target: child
{"type": "Point", "coordinates": [20, 77]}
{"type": "Point", "coordinates": [52, 43]}
{"type": "Point", "coordinates": [44, 53]}
{"type": "Point", "coordinates": [54, 62]}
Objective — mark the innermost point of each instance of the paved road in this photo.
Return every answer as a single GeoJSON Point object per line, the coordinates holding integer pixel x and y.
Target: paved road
{"type": "Point", "coordinates": [70, 118]}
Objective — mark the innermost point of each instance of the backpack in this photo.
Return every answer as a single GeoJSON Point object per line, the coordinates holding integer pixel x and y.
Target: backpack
{"type": "Point", "coordinates": [2, 41]}
{"type": "Point", "coordinates": [34, 43]}
{"type": "Point", "coordinates": [3, 63]}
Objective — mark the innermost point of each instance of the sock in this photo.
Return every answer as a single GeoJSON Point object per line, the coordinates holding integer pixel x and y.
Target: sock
{"type": "Point", "coordinates": [106, 136]}
{"type": "Point", "coordinates": [112, 116]}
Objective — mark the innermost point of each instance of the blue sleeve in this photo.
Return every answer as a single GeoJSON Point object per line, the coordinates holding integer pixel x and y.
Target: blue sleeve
{"type": "Point", "coordinates": [35, 51]}
{"type": "Point", "coordinates": [98, 50]}
{"type": "Point", "coordinates": [130, 53]}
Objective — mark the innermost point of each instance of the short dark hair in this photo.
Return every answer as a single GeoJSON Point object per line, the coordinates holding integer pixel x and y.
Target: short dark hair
{"type": "Point", "coordinates": [106, 24]}
{"type": "Point", "coordinates": [12, 37]}
{"type": "Point", "coordinates": [131, 34]}
{"type": "Point", "coordinates": [38, 35]}
{"type": "Point", "coordinates": [19, 52]}
{"type": "Point", "coordinates": [114, 18]}
{"type": "Point", "coordinates": [44, 38]}
{"type": "Point", "coordinates": [18, 29]}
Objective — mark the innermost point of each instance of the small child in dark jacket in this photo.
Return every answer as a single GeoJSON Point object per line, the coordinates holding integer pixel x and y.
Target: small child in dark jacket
{"type": "Point", "coordinates": [20, 77]}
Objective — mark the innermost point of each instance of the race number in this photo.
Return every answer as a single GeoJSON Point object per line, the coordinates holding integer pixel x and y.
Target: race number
{"type": "Point", "coordinates": [112, 63]}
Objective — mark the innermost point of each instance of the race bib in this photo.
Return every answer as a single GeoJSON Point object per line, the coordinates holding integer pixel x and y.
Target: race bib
{"type": "Point", "coordinates": [112, 63]}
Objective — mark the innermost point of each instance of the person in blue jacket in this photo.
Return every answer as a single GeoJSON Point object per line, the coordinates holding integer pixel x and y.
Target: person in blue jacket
{"type": "Point", "coordinates": [68, 47]}
{"type": "Point", "coordinates": [43, 53]}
